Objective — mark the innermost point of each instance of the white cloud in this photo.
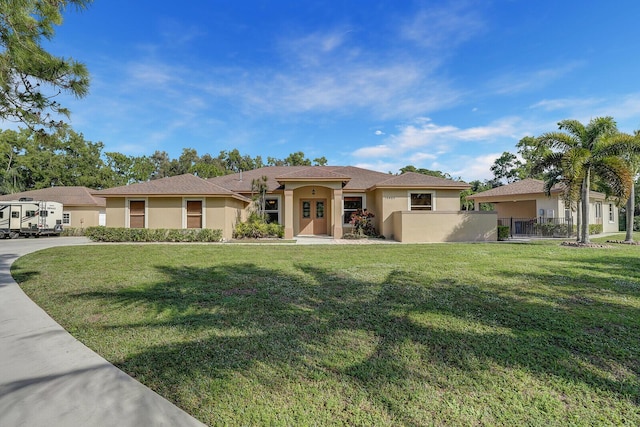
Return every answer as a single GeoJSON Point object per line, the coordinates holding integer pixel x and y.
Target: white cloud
{"type": "Point", "coordinates": [521, 81]}
{"type": "Point", "coordinates": [443, 27]}
{"type": "Point", "coordinates": [473, 168]}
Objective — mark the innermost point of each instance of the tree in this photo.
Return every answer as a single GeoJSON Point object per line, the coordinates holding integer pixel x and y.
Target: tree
{"type": "Point", "coordinates": [260, 188]}
{"type": "Point", "coordinates": [11, 147]}
{"type": "Point", "coordinates": [532, 152]}
{"type": "Point", "coordinates": [320, 161]}
{"type": "Point", "coordinates": [423, 171]}
{"type": "Point", "coordinates": [634, 165]}
{"type": "Point", "coordinates": [507, 167]}
{"type": "Point", "coordinates": [585, 153]}
{"type": "Point", "coordinates": [30, 77]}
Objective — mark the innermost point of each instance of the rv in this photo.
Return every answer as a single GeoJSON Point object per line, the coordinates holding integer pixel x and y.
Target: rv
{"type": "Point", "coordinates": [27, 218]}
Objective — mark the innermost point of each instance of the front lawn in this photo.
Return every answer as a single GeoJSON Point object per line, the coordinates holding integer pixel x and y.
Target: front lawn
{"type": "Point", "coordinates": [447, 334]}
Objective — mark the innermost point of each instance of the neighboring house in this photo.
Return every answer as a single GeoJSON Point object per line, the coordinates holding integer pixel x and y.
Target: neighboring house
{"type": "Point", "coordinates": [306, 200]}
{"type": "Point", "coordinates": [80, 208]}
{"type": "Point", "coordinates": [523, 205]}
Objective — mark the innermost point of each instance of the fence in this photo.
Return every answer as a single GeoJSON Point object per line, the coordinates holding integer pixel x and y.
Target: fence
{"type": "Point", "coordinates": [540, 227]}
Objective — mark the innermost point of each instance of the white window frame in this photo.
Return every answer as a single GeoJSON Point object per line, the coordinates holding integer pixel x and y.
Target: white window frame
{"type": "Point", "coordinates": [612, 218]}
{"type": "Point", "coordinates": [68, 216]}
{"type": "Point", "coordinates": [184, 210]}
{"type": "Point", "coordinates": [127, 210]}
{"type": "Point", "coordinates": [279, 211]}
{"type": "Point", "coordinates": [364, 205]}
{"type": "Point", "coordinates": [433, 200]}
{"type": "Point", "coordinates": [598, 210]}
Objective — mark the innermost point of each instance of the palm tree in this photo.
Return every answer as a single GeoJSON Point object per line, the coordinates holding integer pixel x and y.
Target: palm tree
{"type": "Point", "coordinates": [583, 154]}
{"type": "Point", "coordinates": [634, 164]}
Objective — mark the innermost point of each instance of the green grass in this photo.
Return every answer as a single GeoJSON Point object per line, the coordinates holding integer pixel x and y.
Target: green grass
{"type": "Point", "coordinates": [450, 334]}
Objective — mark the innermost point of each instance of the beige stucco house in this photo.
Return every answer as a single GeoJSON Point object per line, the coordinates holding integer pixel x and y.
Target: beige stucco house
{"type": "Point", "coordinates": [306, 200]}
{"type": "Point", "coordinates": [81, 208]}
{"type": "Point", "coordinates": [524, 204]}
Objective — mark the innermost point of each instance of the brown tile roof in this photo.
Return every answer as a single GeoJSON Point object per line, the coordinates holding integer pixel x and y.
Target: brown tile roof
{"type": "Point", "coordinates": [523, 187]}
{"type": "Point", "coordinates": [526, 186]}
{"type": "Point", "coordinates": [358, 179]}
{"type": "Point", "coordinates": [314, 173]}
{"type": "Point", "coordinates": [68, 196]}
{"type": "Point", "coordinates": [181, 185]}
{"type": "Point", "coordinates": [418, 180]}
{"type": "Point", "coordinates": [241, 182]}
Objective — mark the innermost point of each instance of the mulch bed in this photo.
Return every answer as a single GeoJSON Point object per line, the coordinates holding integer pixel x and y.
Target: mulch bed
{"type": "Point", "coordinates": [622, 242]}
{"type": "Point", "coordinates": [585, 245]}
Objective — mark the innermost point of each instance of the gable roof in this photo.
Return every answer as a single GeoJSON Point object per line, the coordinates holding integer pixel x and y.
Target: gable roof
{"type": "Point", "coordinates": [180, 185]}
{"type": "Point", "coordinates": [314, 174]}
{"type": "Point", "coordinates": [418, 180]}
{"type": "Point", "coordinates": [68, 196]}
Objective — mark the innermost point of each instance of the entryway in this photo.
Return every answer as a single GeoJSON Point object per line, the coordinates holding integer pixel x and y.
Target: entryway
{"type": "Point", "coordinates": [313, 220]}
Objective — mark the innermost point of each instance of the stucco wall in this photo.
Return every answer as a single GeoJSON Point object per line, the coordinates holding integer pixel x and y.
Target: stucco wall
{"type": "Point", "coordinates": [223, 214]}
{"type": "Point", "coordinates": [116, 212]}
{"type": "Point", "coordinates": [82, 216]}
{"type": "Point", "coordinates": [523, 209]}
{"type": "Point", "coordinates": [388, 202]}
{"type": "Point", "coordinates": [164, 212]}
{"type": "Point", "coordinates": [434, 226]}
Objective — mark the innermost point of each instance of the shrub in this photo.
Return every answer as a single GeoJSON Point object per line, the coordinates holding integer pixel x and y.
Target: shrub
{"type": "Point", "coordinates": [503, 232]}
{"type": "Point", "coordinates": [72, 231]}
{"type": "Point", "coordinates": [257, 227]}
{"type": "Point", "coordinates": [362, 221]}
{"type": "Point", "coordinates": [595, 228]}
{"type": "Point", "coordinates": [113, 234]}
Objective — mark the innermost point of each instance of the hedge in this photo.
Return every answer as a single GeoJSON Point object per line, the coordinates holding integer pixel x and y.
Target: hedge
{"type": "Point", "coordinates": [113, 234]}
{"type": "Point", "coordinates": [503, 232]}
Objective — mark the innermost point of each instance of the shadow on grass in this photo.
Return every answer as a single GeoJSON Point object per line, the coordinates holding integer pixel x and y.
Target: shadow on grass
{"type": "Point", "coordinates": [244, 315]}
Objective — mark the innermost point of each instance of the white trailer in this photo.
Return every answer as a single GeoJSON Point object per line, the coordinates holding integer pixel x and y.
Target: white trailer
{"type": "Point", "coordinates": [27, 218]}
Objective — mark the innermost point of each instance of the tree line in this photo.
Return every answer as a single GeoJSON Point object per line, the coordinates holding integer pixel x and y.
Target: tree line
{"type": "Point", "coordinates": [31, 160]}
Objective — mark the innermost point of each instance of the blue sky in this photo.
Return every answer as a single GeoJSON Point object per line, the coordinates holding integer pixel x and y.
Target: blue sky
{"type": "Point", "coordinates": [377, 84]}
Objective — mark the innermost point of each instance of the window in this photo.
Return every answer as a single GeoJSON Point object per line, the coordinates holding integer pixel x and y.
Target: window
{"type": "Point", "coordinates": [194, 213]}
{"type": "Point", "coordinates": [611, 213]}
{"type": "Point", "coordinates": [350, 205]}
{"type": "Point", "coordinates": [43, 214]}
{"type": "Point", "coordinates": [421, 202]}
{"type": "Point", "coordinates": [136, 213]}
{"type": "Point", "coordinates": [598, 210]}
{"type": "Point", "coordinates": [306, 209]}
{"type": "Point", "coordinates": [272, 210]}
{"type": "Point", "coordinates": [66, 218]}
{"type": "Point", "coordinates": [15, 214]}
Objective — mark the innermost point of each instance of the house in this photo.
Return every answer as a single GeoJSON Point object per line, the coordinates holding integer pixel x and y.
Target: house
{"type": "Point", "coordinates": [81, 208]}
{"type": "Point", "coordinates": [183, 201]}
{"type": "Point", "coordinates": [524, 207]}
{"type": "Point", "coordinates": [306, 200]}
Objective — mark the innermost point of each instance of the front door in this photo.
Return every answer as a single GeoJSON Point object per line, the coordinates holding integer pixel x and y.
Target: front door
{"type": "Point", "coordinates": [313, 219]}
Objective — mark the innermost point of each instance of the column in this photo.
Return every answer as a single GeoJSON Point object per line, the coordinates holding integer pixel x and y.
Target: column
{"type": "Point", "coordinates": [337, 213]}
{"type": "Point", "coordinates": [288, 214]}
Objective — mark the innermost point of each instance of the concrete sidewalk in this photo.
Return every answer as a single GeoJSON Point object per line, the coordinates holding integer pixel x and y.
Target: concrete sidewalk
{"type": "Point", "coordinates": [48, 378]}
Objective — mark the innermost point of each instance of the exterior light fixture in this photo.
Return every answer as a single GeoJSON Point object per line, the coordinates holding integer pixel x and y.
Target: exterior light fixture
{"type": "Point", "coordinates": [313, 191]}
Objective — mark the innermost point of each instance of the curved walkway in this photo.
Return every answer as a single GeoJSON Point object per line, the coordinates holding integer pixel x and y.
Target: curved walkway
{"type": "Point", "coordinates": [48, 378]}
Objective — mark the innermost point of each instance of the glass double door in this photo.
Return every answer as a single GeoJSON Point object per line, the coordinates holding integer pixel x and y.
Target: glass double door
{"type": "Point", "coordinates": [313, 216]}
